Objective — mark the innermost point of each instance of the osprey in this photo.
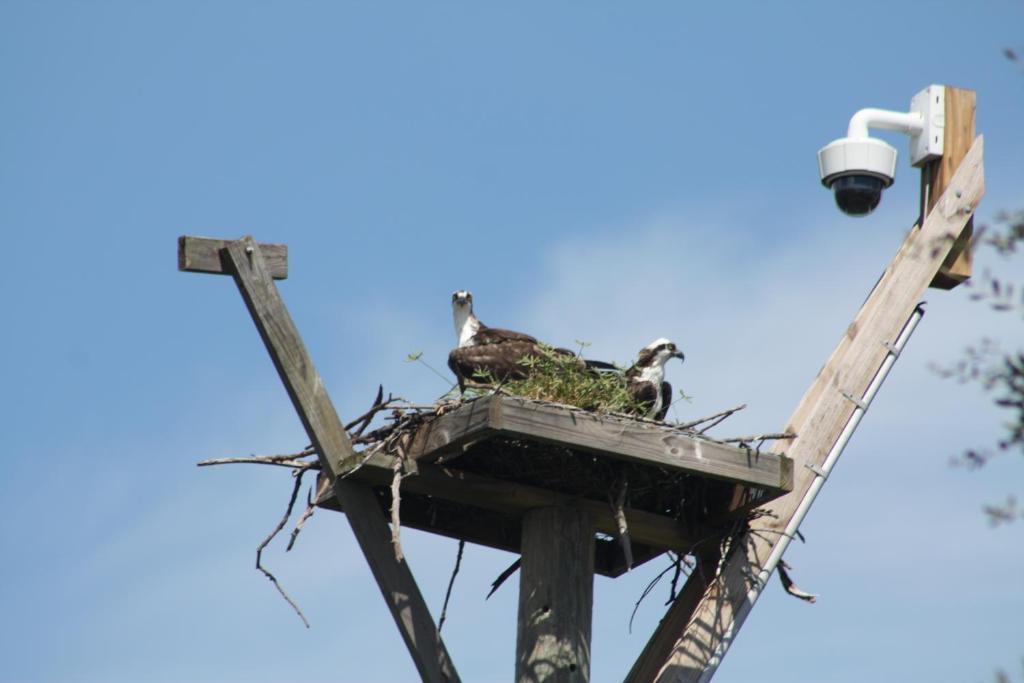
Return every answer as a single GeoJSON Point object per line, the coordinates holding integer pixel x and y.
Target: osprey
{"type": "Point", "coordinates": [646, 378]}
{"type": "Point", "coordinates": [492, 350]}
{"type": "Point", "coordinates": [486, 349]}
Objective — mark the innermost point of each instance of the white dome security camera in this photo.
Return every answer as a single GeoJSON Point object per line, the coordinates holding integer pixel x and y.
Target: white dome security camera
{"type": "Point", "coordinates": [858, 167]}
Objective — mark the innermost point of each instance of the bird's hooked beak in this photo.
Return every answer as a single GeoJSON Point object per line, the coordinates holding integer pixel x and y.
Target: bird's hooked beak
{"type": "Point", "coordinates": [462, 298]}
{"type": "Point", "coordinates": [680, 355]}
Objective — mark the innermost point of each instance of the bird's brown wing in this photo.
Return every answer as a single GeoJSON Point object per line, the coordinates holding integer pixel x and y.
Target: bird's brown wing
{"type": "Point", "coordinates": [495, 335]}
{"type": "Point", "coordinates": [499, 362]}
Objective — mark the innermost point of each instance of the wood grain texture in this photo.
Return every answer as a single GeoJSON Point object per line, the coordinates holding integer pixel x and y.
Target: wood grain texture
{"type": "Point", "coordinates": [325, 430]}
{"type": "Point", "coordinates": [959, 135]}
{"type": "Point", "coordinates": [476, 420]}
{"type": "Point", "coordinates": [658, 649]}
{"type": "Point", "coordinates": [818, 421]}
{"type": "Point", "coordinates": [621, 439]}
{"type": "Point", "coordinates": [556, 595]}
{"type": "Point", "coordinates": [206, 255]}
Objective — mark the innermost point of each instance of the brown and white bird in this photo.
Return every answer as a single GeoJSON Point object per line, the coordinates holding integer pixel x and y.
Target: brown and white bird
{"type": "Point", "coordinates": [484, 349]}
{"type": "Point", "coordinates": [646, 378]}
{"type": "Point", "coordinates": [493, 351]}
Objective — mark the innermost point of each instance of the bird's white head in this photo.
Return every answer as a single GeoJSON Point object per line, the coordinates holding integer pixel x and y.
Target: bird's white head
{"type": "Point", "coordinates": [462, 299]}
{"type": "Point", "coordinates": [466, 324]}
{"type": "Point", "coordinates": [659, 352]}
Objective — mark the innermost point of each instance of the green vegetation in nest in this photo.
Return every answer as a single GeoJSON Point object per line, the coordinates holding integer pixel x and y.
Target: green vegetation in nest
{"type": "Point", "coordinates": [561, 377]}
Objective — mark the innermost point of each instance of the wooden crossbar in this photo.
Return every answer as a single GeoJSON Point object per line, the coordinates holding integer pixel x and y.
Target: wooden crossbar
{"type": "Point", "coordinates": [207, 255]}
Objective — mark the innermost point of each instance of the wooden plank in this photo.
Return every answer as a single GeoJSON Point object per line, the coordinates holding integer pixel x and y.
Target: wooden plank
{"type": "Point", "coordinates": [515, 500]}
{"type": "Point", "coordinates": [556, 596]}
{"type": "Point", "coordinates": [206, 255]}
{"type": "Point", "coordinates": [447, 435]}
{"type": "Point", "coordinates": [640, 442]}
{"type": "Point", "coordinates": [617, 438]}
{"type": "Point", "coordinates": [325, 430]}
{"type": "Point", "coordinates": [710, 623]}
{"type": "Point", "coordinates": [959, 135]}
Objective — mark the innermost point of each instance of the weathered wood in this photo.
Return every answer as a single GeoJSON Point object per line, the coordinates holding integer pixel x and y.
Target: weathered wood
{"type": "Point", "coordinates": [325, 430]}
{"type": "Point", "coordinates": [659, 649]}
{"type": "Point", "coordinates": [621, 439]}
{"type": "Point", "coordinates": [959, 136]}
{"type": "Point", "coordinates": [556, 594]}
{"type": "Point", "coordinates": [206, 255]}
{"type": "Point", "coordinates": [515, 500]}
{"type": "Point", "coordinates": [818, 421]}
{"type": "Point", "coordinates": [450, 433]}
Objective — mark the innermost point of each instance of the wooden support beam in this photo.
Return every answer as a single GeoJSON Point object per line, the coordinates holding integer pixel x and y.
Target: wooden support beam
{"type": "Point", "coordinates": [556, 595]}
{"type": "Point", "coordinates": [206, 255]}
{"type": "Point", "coordinates": [712, 622]}
{"type": "Point", "coordinates": [253, 276]}
{"type": "Point", "coordinates": [659, 648]}
{"type": "Point", "coordinates": [492, 529]}
{"type": "Point", "coordinates": [959, 136]}
{"type": "Point", "coordinates": [515, 500]}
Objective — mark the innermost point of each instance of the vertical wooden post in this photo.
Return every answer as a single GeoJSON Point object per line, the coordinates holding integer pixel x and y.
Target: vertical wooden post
{"type": "Point", "coordinates": [556, 595]}
{"type": "Point", "coordinates": [959, 136]}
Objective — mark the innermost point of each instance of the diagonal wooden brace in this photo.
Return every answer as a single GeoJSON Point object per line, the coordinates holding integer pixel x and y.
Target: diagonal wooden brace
{"type": "Point", "coordinates": [245, 261]}
{"type": "Point", "coordinates": [702, 623]}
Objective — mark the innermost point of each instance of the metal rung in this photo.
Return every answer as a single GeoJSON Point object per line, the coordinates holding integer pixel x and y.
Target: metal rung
{"type": "Point", "coordinates": [816, 469]}
{"type": "Point", "coordinates": [893, 350]}
{"type": "Point", "coordinates": [855, 401]}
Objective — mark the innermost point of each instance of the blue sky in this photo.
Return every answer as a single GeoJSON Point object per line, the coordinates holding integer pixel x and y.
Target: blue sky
{"type": "Point", "coordinates": [543, 156]}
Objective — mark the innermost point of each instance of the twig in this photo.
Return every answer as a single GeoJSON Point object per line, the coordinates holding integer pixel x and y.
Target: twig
{"type": "Point", "coordinates": [451, 582]}
{"type": "Point", "coordinates": [647, 590]}
{"type": "Point", "coordinates": [310, 508]}
{"type": "Point", "coordinates": [396, 502]}
{"type": "Point", "coordinates": [718, 419]}
{"type": "Point", "coordinates": [418, 358]}
{"type": "Point", "coordinates": [502, 577]}
{"type": "Point", "coordinates": [364, 419]}
{"type": "Point", "coordinates": [286, 460]}
{"type": "Point", "coordinates": [369, 453]}
{"type": "Point", "coordinates": [618, 510]}
{"type": "Point", "coordinates": [675, 580]}
{"type": "Point", "coordinates": [724, 414]}
{"type": "Point", "coordinates": [760, 437]}
{"type": "Point", "coordinates": [426, 407]}
{"type": "Point", "coordinates": [294, 464]}
{"type": "Point", "coordinates": [280, 525]}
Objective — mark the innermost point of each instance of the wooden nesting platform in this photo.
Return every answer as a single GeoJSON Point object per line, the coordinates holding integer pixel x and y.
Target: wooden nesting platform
{"type": "Point", "coordinates": [486, 463]}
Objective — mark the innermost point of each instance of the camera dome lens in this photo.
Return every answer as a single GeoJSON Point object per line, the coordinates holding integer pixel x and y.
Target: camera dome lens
{"type": "Point", "coordinates": [858, 195]}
